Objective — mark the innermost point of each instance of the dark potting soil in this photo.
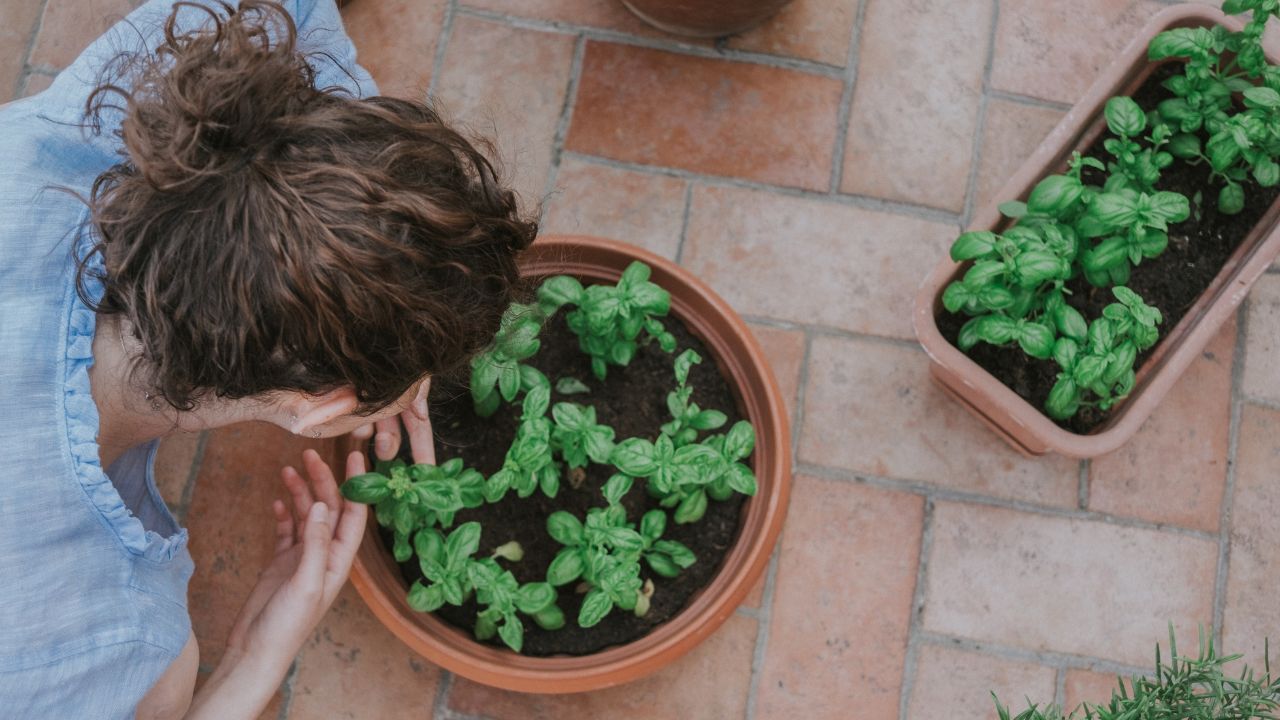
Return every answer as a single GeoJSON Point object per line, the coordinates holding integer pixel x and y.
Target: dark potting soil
{"type": "Point", "coordinates": [1198, 248]}
{"type": "Point", "coordinates": [632, 400]}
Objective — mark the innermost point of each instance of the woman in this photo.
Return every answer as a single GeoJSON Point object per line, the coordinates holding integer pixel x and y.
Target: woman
{"type": "Point", "coordinates": [238, 233]}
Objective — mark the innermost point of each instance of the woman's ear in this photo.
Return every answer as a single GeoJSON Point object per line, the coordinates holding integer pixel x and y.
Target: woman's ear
{"type": "Point", "coordinates": [309, 412]}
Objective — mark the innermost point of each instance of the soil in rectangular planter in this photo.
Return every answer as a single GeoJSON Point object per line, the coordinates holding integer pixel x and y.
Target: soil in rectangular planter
{"type": "Point", "coordinates": [632, 400]}
{"type": "Point", "coordinates": [1198, 249]}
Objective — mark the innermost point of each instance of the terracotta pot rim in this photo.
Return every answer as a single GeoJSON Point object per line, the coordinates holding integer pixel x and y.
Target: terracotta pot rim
{"type": "Point", "coordinates": [1019, 423]}
{"type": "Point", "coordinates": [378, 581]}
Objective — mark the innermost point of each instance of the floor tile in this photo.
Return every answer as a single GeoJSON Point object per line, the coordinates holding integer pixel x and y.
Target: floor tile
{"type": "Point", "coordinates": [957, 684]}
{"type": "Point", "coordinates": [1252, 613]}
{"type": "Point", "coordinates": [1174, 470]}
{"type": "Point", "coordinates": [508, 84]}
{"type": "Point", "coordinates": [1262, 346]}
{"type": "Point", "coordinates": [817, 30]}
{"type": "Point", "coordinates": [785, 351]}
{"type": "Point", "coordinates": [173, 465]}
{"type": "Point", "coordinates": [811, 261]}
{"type": "Point", "coordinates": [231, 524]}
{"type": "Point", "coordinates": [734, 118]}
{"type": "Point", "coordinates": [68, 26]}
{"type": "Point", "coordinates": [871, 407]}
{"type": "Point", "coordinates": [17, 22]}
{"type": "Point", "coordinates": [1055, 51]}
{"type": "Point", "coordinates": [842, 603]}
{"type": "Point", "coordinates": [354, 668]}
{"type": "Point", "coordinates": [710, 683]}
{"type": "Point", "coordinates": [913, 117]}
{"type": "Point", "coordinates": [1064, 585]}
{"type": "Point", "coordinates": [644, 209]}
{"type": "Point", "coordinates": [396, 42]}
{"type": "Point", "coordinates": [1088, 686]}
{"type": "Point", "coordinates": [1011, 134]}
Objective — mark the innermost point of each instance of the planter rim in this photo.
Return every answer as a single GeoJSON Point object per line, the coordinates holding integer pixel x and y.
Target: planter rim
{"type": "Point", "coordinates": [1018, 422]}
{"type": "Point", "coordinates": [377, 578]}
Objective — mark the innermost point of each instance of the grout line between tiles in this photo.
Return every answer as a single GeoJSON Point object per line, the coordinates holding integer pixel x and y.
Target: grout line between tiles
{"type": "Point", "coordinates": [1068, 661]}
{"type": "Point", "coordinates": [440, 710]}
{"type": "Point", "coordinates": [193, 473]}
{"type": "Point", "coordinates": [24, 76]}
{"type": "Point", "coordinates": [1228, 491]}
{"type": "Point", "coordinates": [764, 618]}
{"type": "Point", "coordinates": [566, 117]}
{"type": "Point", "coordinates": [912, 657]}
{"type": "Point", "coordinates": [286, 690]}
{"type": "Point", "coordinates": [1265, 403]}
{"type": "Point", "coordinates": [1029, 101]}
{"type": "Point", "coordinates": [1082, 493]}
{"type": "Point", "coordinates": [442, 46]}
{"type": "Point", "coordinates": [1060, 687]}
{"type": "Point", "coordinates": [846, 97]}
{"type": "Point", "coordinates": [674, 46]}
{"type": "Point", "coordinates": [865, 202]}
{"type": "Point", "coordinates": [684, 221]}
{"type": "Point", "coordinates": [950, 495]}
{"type": "Point", "coordinates": [980, 127]}
{"type": "Point", "coordinates": [802, 392]}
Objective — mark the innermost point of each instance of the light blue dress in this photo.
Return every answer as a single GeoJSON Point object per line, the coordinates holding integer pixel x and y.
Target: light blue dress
{"type": "Point", "coordinates": [93, 568]}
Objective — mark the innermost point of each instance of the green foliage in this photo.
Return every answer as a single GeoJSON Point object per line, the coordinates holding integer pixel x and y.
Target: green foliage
{"type": "Point", "coordinates": [1100, 220]}
{"type": "Point", "coordinates": [687, 418]}
{"type": "Point", "coordinates": [453, 575]}
{"type": "Point", "coordinates": [1184, 689]}
{"type": "Point", "coordinates": [605, 553]}
{"type": "Point", "coordinates": [498, 374]}
{"type": "Point", "coordinates": [608, 319]}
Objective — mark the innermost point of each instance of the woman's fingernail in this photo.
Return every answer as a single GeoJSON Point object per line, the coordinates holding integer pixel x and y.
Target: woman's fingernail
{"type": "Point", "coordinates": [319, 512]}
{"type": "Point", "coordinates": [420, 408]}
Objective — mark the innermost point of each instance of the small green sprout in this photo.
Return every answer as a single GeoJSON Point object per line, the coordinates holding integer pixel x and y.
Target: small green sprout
{"type": "Point", "coordinates": [604, 552]}
{"type": "Point", "coordinates": [499, 374]}
{"type": "Point", "coordinates": [686, 417]}
{"type": "Point", "coordinates": [530, 463]}
{"type": "Point", "coordinates": [578, 437]}
{"type": "Point", "coordinates": [571, 386]}
{"type": "Point", "coordinates": [608, 319]}
{"type": "Point", "coordinates": [408, 497]}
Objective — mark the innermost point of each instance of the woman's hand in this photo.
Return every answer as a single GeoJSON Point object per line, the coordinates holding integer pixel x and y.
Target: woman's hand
{"type": "Point", "coordinates": [386, 434]}
{"type": "Point", "coordinates": [317, 534]}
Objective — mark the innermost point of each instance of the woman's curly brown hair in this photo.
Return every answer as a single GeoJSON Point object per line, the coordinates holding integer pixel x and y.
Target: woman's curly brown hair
{"type": "Point", "coordinates": [264, 234]}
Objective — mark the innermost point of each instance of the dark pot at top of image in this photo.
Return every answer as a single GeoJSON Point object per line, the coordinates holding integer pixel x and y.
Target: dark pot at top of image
{"type": "Point", "coordinates": [704, 18]}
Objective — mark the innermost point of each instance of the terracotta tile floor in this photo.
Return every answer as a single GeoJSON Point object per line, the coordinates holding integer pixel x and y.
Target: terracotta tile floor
{"type": "Point", "coordinates": [810, 170]}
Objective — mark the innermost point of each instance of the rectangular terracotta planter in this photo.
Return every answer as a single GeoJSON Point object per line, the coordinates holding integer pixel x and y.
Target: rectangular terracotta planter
{"type": "Point", "coordinates": [1021, 424]}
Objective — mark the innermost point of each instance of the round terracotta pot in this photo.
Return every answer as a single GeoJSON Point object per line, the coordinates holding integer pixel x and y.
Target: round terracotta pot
{"type": "Point", "coordinates": [736, 353]}
{"type": "Point", "coordinates": [704, 18]}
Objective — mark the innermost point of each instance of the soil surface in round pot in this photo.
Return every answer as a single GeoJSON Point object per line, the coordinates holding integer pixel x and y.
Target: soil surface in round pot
{"type": "Point", "coordinates": [632, 400]}
{"type": "Point", "coordinates": [1173, 282]}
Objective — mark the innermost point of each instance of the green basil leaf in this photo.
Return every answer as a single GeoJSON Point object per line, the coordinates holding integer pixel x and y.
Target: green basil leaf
{"type": "Point", "coordinates": [367, 488]}
{"type": "Point", "coordinates": [484, 374]}
{"type": "Point", "coordinates": [957, 297]}
{"type": "Point", "coordinates": [1262, 97]}
{"type": "Point", "coordinates": [536, 402]}
{"type": "Point", "coordinates": [1012, 209]}
{"type": "Point", "coordinates": [1064, 399]}
{"type": "Point", "coordinates": [1036, 267]}
{"type": "Point", "coordinates": [635, 274]}
{"type": "Point", "coordinates": [738, 442]}
{"type": "Point", "coordinates": [1122, 362]}
{"type": "Point", "coordinates": [1124, 117]}
{"type": "Point", "coordinates": [624, 539]}
{"type": "Point", "coordinates": [512, 633]}
{"type": "Point", "coordinates": [1231, 200]}
{"type": "Point", "coordinates": [571, 386]}
{"type": "Point", "coordinates": [616, 487]}
{"type": "Point", "coordinates": [486, 627]}
{"type": "Point", "coordinates": [1222, 150]}
{"type": "Point", "coordinates": [984, 272]}
{"type": "Point", "coordinates": [685, 362]}
{"type": "Point", "coordinates": [1114, 209]}
{"type": "Point", "coordinates": [551, 618]}
{"type": "Point", "coordinates": [1036, 339]}
{"type": "Point", "coordinates": [400, 547]}
{"type": "Point", "coordinates": [1185, 146]}
{"type": "Point", "coordinates": [679, 554]}
{"type": "Point", "coordinates": [973, 245]}
{"type": "Point", "coordinates": [1105, 255]}
{"type": "Point", "coordinates": [558, 291]}
{"type": "Point", "coordinates": [566, 567]}
{"type": "Point", "coordinates": [564, 528]}
{"type": "Point", "coordinates": [1054, 195]}
{"type": "Point", "coordinates": [1266, 172]}
{"type": "Point", "coordinates": [653, 524]}
{"type": "Point", "coordinates": [462, 543]}
{"type": "Point", "coordinates": [570, 416]}
{"type": "Point", "coordinates": [1170, 206]}
{"type": "Point", "coordinates": [662, 565]}
{"type": "Point", "coordinates": [549, 479]}
{"type": "Point", "coordinates": [741, 479]}
{"type": "Point", "coordinates": [509, 380]}
{"type": "Point", "coordinates": [1065, 352]}
{"type": "Point", "coordinates": [1089, 370]}
{"type": "Point", "coordinates": [708, 420]}
{"type": "Point", "coordinates": [622, 352]}
{"type": "Point", "coordinates": [425, 598]}
{"type": "Point", "coordinates": [1152, 245]}
{"type": "Point", "coordinates": [650, 299]}
{"type": "Point", "coordinates": [634, 456]}
{"type": "Point", "coordinates": [969, 335]}
{"type": "Point", "coordinates": [1179, 42]}
{"type": "Point", "coordinates": [595, 607]}
{"type": "Point", "coordinates": [996, 329]}
{"type": "Point", "coordinates": [1069, 322]}
{"type": "Point", "coordinates": [535, 597]}
{"type": "Point", "coordinates": [691, 508]}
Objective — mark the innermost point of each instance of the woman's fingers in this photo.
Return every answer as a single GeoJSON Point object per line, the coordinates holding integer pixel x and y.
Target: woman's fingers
{"type": "Point", "coordinates": [346, 541]}
{"type": "Point", "coordinates": [309, 577]}
{"type": "Point", "coordinates": [386, 438]}
{"type": "Point", "coordinates": [364, 432]}
{"type": "Point", "coordinates": [421, 442]}
{"type": "Point", "coordinates": [298, 491]}
{"type": "Point", "coordinates": [284, 526]}
{"type": "Point", "coordinates": [323, 484]}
